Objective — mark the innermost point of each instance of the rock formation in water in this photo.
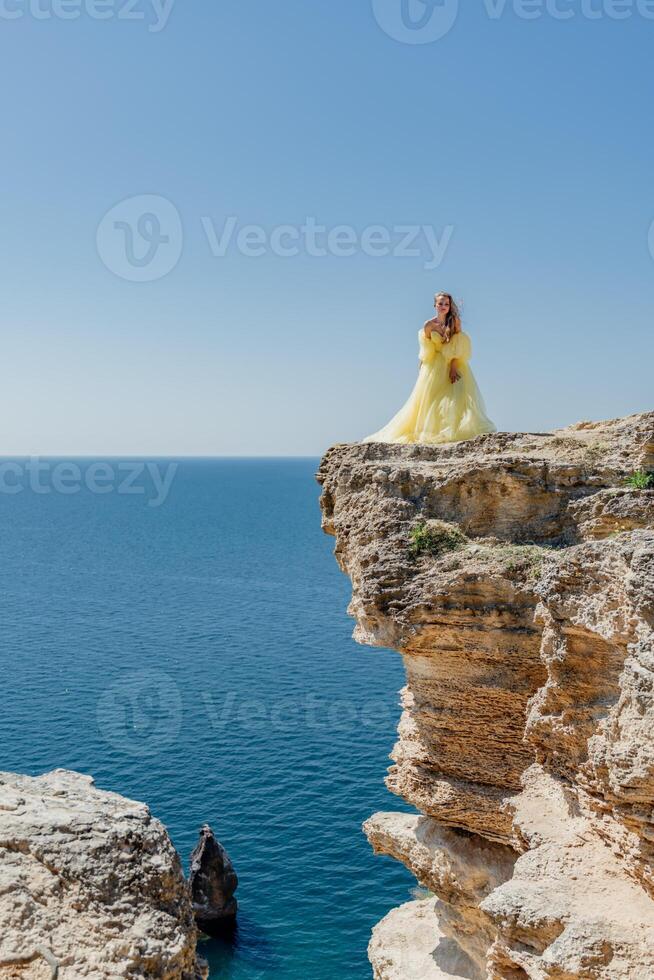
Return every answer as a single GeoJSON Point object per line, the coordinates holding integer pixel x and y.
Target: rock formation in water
{"type": "Point", "coordinates": [90, 886]}
{"type": "Point", "coordinates": [213, 882]}
{"type": "Point", "coordinates": [515, 575]}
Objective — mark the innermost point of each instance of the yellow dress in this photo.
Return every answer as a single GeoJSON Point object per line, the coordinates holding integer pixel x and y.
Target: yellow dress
{"type": "Point", "coordinates": [438, 411]}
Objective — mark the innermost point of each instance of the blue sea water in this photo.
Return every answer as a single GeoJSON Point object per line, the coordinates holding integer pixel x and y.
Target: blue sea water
{"type": "Point", "coordinates": [197, 656]}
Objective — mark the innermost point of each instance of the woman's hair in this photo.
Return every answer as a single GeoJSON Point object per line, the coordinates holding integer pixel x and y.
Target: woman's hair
{"type": "Point", "coordinates": [453, 318]}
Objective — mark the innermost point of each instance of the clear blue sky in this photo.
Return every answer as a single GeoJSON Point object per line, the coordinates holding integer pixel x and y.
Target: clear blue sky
{"type": "Point", "coordinates": [531, 139]}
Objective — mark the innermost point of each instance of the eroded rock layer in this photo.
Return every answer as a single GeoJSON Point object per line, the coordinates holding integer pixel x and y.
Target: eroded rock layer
{"type": "Point", "coordinates": [90, 885]}
{"type": "Point", "coordinates": [524, 610]}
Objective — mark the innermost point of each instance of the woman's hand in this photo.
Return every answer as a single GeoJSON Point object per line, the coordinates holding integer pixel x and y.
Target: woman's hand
{"type": "Point", "coordinates": [454, 372]}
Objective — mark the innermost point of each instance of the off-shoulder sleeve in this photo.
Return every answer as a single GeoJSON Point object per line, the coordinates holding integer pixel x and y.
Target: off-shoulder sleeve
{"type": "Point", "coordinates": [427, 349]}
{"type": "Point", "coordinates": [459, 347]}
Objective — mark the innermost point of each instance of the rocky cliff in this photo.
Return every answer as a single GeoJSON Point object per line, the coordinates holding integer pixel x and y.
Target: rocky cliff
{"type": "Point", "coordinates": [515, 575]}
{"type": "Point", "coordinates": [90, 885]}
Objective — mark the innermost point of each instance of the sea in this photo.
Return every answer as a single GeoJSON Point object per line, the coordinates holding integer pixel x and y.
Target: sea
{"type": "Point", "coordinates": [177, 629]}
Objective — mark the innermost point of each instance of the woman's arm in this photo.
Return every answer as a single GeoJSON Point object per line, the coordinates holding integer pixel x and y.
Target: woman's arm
{"type": "Point", "coordinates": [458, 352]}
{"type": "Point", "coordinates": [459, 347]}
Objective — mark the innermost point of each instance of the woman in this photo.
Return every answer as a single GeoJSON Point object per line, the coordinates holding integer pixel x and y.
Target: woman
{"type": "Point", "coordinates": [445, 404]}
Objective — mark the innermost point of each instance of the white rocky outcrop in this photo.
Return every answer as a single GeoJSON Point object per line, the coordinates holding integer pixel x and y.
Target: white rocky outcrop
{"type": "Point", "coordinates": [90, 885]}
{"type": "Point", "coordinates": [527, 737]}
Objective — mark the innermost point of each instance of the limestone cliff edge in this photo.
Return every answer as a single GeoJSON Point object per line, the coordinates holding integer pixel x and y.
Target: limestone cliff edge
{"type": "Point", "coordinates": [524, 611]}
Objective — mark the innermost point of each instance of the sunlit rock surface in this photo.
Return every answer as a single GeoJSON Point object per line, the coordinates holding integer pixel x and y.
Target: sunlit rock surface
{"type": "Point", "coordinates": [90, 885]}
{"type": "Point", "coordinates": [527, 737]}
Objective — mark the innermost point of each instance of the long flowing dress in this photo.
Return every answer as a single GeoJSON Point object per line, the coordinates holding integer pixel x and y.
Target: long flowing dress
{"type": "Point", "coordinates": [438, 411]}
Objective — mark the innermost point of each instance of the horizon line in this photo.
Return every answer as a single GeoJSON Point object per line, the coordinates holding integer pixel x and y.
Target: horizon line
{"type": "Point", "coordinates": [115, 455]}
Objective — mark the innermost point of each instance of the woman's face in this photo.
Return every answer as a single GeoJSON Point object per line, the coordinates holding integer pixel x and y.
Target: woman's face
{"type": "Point", "coordinates": [442, 305]}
